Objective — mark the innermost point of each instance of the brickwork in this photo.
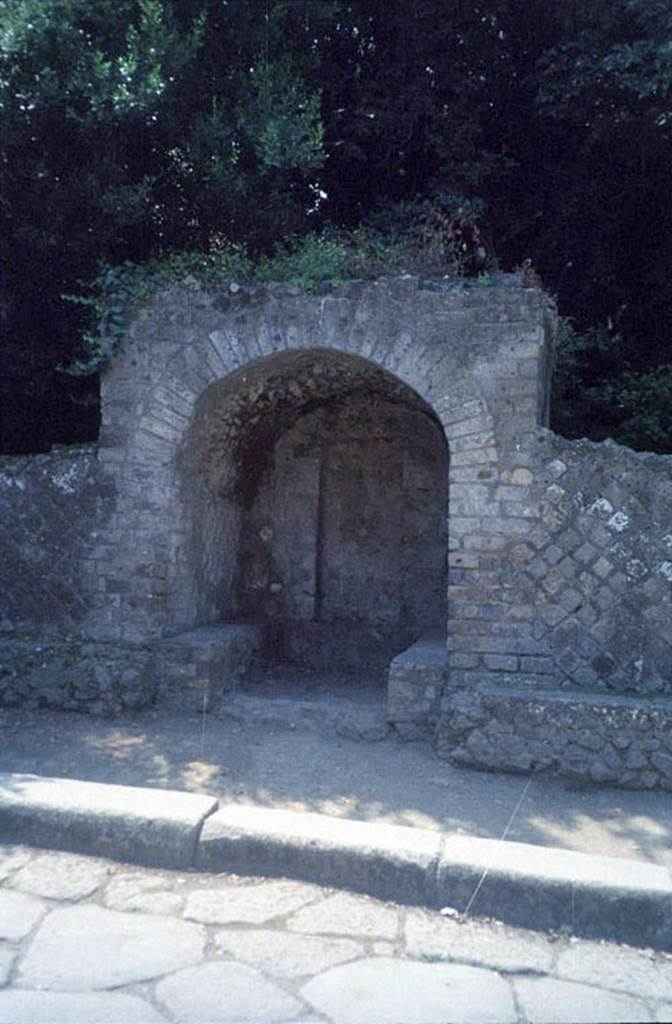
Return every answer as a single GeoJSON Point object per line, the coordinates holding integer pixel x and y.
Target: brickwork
{"type": "Point", "coordinates": [209, 378]}
{"type": "Point", "coordinates": [557, 559]}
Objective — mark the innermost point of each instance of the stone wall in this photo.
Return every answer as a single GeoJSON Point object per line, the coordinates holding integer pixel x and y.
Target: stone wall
{"type": "Point", "coordinates": [589, 568]}
{"type": "Point", "coordinates": [75, 674]}
{"type": "Point", "coordinates": [596, 570]}
{"type": "Point", "coordinates": [585, 736]}
{"type": "Point", "coordinates": [605, 578]}
{"type": "Point", "coordinates": [285, 458]}
{"type": "Point", "coordinates": [53, 511]}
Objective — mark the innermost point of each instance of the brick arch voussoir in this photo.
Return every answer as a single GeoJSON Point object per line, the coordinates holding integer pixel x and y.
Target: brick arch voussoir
{"type": "Point", "coordinates": [468, 426]}
{"type": "Point", "coordinates": [169, 408]}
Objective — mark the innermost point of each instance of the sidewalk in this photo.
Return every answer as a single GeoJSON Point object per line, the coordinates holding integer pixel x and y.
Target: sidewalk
{"type": "Point", "coordinates": [330, 754]}
{"type": "Point", "coordinates": [89, 941]}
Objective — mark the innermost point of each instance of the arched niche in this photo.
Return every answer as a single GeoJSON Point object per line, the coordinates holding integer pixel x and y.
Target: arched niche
{"type": "Point", "coordinates": [314, 486]}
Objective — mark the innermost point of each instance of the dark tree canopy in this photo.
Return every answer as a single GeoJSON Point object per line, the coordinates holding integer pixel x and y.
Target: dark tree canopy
{"type": "Point", "coordinates": [136, 129]}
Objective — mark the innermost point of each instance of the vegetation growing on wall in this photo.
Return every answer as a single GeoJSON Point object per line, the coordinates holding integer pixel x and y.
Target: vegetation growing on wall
{"type": "Point", "coordinates": [314, 138]}
{"type": "Point", "coordinates": [329, 258]}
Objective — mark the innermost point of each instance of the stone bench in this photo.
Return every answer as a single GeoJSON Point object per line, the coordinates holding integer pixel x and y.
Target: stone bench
{"type": "Point", "coordinates": [415, 683]}
{"type": "Point", "coordinates": [195, 669]}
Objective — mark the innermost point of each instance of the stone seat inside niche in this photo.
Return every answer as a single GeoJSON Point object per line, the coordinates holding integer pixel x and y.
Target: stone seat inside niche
{"type": "Point", "coordinates": [196, 669]}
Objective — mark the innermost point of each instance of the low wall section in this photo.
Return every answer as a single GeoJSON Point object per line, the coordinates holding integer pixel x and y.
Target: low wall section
{"type": "Point", "coordinates": [595, 572]}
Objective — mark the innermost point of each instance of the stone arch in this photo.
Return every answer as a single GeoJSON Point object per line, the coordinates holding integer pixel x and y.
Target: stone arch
{"type": "Point", "coordinates": [426, 365]}
{"type": "Point", "coordinates": [416, 338]}
{"type": "Point", "coordinates": [475, 363]}
{"type": "Point", "coordinates": [379, 328]}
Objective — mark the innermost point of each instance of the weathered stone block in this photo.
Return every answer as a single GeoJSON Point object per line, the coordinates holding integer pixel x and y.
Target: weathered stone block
{"type": "Point", "coordinates": [194, 670]}
{"type": "Point", "coordinates": [416, 680]}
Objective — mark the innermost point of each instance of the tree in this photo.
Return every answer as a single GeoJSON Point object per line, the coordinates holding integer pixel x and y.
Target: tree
{"type": "Point", "coordinates": [130, 130]}
{"type": "Point", "coordinates": [136, 129]}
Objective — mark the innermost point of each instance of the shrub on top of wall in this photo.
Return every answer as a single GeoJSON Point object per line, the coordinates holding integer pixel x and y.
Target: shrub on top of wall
{"type": "Point", "coordinates": [440, 242]}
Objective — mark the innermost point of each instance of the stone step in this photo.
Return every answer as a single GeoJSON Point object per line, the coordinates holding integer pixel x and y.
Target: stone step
{"type": "Point", "coordinates": [360, 717]}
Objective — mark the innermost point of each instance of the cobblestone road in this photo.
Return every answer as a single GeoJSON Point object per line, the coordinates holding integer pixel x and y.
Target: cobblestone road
{"type": "Point", "coordinates": [87, 941]}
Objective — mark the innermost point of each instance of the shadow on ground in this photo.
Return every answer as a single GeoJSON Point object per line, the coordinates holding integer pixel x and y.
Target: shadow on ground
{"type": "Point", "coordinates": [281, 747]}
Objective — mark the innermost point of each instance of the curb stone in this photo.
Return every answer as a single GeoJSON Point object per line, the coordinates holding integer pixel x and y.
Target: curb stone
{"type": "Point", "coordinates": [521, 884]}
{"type": "Point", "coordinates": [155, 827]}
{"type": "Point", "coordinates": [390, 862]}
{"type": "Point", "coordinates": [547, 888]}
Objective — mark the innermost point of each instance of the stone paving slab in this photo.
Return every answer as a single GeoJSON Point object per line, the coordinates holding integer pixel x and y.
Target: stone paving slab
{"type": "Point", "coordinates": [57, 878]}
{"type": "Point", "coordinates": [296, 953]}
{"type": "Point", "coordinates": [226, 992]}
{"type": "Point", "coordinates": [87, 947]}
{"type": "Point", "coordinates": [622, 971]}
{"type": "Point", "coordinates": [429, 935]}
{"type": "Point", "coordinates": [248, 904]}
{"type": "Point", "coordinates": [21, 1007]}
{"type": "Point", "coordinates": [18, 914]}
{"type": "Point", "coordinates": [385, 991]}
{"type": "Point", "coordinates": [146, 894]}
{"type": "Point", "coordinates": [345, 913]}
{"type": "Point", "coordinates": [286, 956]}
{"type": "Point", "coordinates": [548, 1001]}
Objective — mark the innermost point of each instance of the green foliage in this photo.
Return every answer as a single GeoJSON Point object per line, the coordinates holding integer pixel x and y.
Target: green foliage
{"type": "Point", "coordinates": [598, 393]}
{"type": "Point", "coordinates": [332, 257]}
{"type": "Point", "coordinates": [106, 300]}
{"type": "Point", "coordinates": [326, 259]}
{"type": "Point", "coordinates": [616, 66]}
{"type": "Point", "coordinates": [109, 296]}
{"type": "Point", "coordinates": [574, 348]}
{"type": "Point", "coordinates": [307, 261]}
{"type": "Point", "coordinates": [315, 259]}
{"type": "Point", "coordinates": [644, 403]}
{"type": "Point", "coordinates": [283, 120]}
{"type": "Point", "coordinates": [439, 234]}
{"type": "Point", "coordinates": [578, 352]}
{"type": "Point", "coordinates": [332, 140]}
{"type": "Point", "coordinates": [372, 253]}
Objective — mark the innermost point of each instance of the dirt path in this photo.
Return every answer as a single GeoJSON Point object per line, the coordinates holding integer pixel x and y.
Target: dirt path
{"type": "Point", "coordinates": [290, 746]}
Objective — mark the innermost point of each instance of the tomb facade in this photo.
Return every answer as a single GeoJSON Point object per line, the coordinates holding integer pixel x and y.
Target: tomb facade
{"type": "Point", "coordinates": [357, 478]}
